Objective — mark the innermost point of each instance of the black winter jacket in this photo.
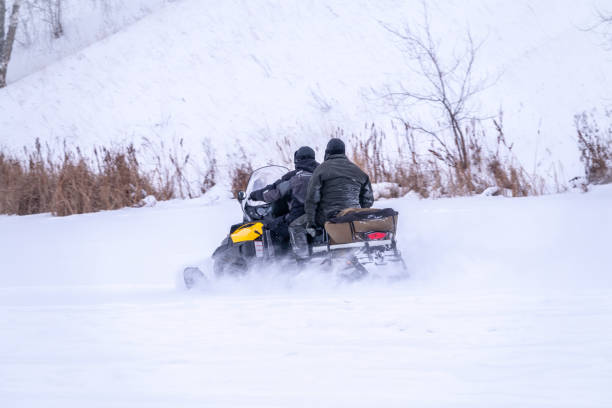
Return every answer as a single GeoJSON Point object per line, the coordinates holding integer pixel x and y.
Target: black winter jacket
{"type": "Point", "coordinates": [335, 185]}
{"type": "Point", "coordinates": [293, 187]}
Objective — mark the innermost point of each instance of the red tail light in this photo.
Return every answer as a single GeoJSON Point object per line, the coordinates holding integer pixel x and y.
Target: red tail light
{"type": "Point", "coordinates": [374, 236]}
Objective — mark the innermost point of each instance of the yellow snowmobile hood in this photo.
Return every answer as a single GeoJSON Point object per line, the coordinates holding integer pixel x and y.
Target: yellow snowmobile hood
{"type": "Point", "coordinates": [247, 232]}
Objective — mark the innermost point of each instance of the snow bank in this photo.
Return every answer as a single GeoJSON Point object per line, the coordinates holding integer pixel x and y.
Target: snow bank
{"type": "Point", "coordinates": [555, 241]}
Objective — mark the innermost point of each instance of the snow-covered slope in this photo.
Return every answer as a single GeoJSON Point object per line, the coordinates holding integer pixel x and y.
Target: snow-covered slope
{"type": "Point", "coordinates": [509, 304]}
{"type": "Point", "coordinates": [83, 23]}
{"type": "Point", "coordinates": [252, 73]}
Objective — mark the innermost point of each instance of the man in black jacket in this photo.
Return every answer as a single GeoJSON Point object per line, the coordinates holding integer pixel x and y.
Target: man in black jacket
{"type": "Point", "coordinates": [291, 187]}
{"type": "Point", "coordinates": [335, 185]}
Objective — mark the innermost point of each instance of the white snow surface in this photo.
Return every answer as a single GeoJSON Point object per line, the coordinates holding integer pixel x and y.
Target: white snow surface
{"type": "Point", "coordinates": [84, 22]}
{"type": "Point", "coordinates": [509, 303]}
{"type": "Point", "coordinates": [237, 74]}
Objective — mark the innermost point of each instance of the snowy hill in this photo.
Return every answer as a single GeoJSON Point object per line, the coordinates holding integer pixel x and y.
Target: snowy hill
{"type": "Point", "coordinates": [509, 303]}
{"type": "Point", "coordinates": [239, 74]}
{"type": "Point", "coordinates": [83, 22]}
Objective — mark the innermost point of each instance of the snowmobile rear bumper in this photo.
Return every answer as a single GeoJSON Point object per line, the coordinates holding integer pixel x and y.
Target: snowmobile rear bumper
{"type": "Point", "coordinates": [364, 244]}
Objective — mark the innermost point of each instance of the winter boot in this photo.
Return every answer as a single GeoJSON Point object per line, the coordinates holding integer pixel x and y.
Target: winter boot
{"type": "Point", "coordinates": [299, 243]}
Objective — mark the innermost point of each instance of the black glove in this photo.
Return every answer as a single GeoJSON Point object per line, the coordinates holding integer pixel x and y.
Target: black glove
{"type": "Point", "coordinates": [311, 229]}
{"type": "Point", "coordinates": [256, 195]}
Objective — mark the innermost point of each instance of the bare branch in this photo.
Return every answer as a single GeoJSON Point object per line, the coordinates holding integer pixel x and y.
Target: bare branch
{"type": "Point", "coordinates": [447, 86]}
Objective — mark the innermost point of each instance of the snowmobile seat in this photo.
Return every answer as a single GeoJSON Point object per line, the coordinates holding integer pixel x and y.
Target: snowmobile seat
{"type": "Point", "coordinates": [361, 224]}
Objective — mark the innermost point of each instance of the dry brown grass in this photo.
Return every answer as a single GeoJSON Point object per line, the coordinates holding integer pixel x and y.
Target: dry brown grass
{"type": "Point", "coordinates": [26, 186]}
{"type": "Point", "coordinates": [240, 177]}
{"type": "Point", "coordinates": [595, 145]}
{"type": "Point", "coordinates": [73, 183]}
{"type": "Point", "coordinates": [433, 172]}
{"type": "Point", "coordinates": [405, 170]}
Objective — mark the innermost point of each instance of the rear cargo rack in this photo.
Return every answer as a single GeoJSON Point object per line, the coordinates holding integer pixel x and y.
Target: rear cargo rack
{"type": "Point", "coordinates": [326, 248]}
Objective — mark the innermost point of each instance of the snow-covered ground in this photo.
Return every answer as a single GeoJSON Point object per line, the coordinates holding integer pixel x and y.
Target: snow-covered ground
{"type": "Point", "coordinates": [83, 22]}
{"type": "Point", "coordinates": [509, 304]}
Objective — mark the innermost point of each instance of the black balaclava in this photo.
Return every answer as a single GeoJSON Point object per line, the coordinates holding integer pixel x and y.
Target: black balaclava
{"type": "Point", "coordinates": [304, 159]}
{"type": "Point", "coordinates": [303, 153]}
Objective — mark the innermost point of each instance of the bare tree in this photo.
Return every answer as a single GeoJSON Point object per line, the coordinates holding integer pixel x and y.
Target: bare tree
{"type": "Point", "coordinates": [53, 9]}
{"type": "Point", "coordinates": [49, 12]}
{"type": "Point", "coordinates": [605, 21]}
{"type": "Point", "coordinates": [7, 38]}
{"type": "Point", "coordinates": [602, 26]}
{"type": "Point", "coordinates": [447, 87]}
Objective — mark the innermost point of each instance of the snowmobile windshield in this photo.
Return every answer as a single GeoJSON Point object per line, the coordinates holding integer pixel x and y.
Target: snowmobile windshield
{"type": "Point", "coordinates": [260, 178]}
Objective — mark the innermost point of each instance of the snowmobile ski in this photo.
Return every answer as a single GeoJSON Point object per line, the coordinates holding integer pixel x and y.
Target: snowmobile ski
{"type": "Point", "coordinates": [193, 277]}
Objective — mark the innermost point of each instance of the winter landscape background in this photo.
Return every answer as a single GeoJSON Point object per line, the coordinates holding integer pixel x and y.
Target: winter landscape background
{"type": "Point", "coordinates": [245, 75]}
{"type": "Point", "coordinates": [508, 301]}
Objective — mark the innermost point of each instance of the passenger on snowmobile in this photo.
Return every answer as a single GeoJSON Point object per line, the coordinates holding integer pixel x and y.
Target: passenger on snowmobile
{"type": "Point", "coordinates": [291, 187]}
{"type": "Point", "coordinates": [335, 185]}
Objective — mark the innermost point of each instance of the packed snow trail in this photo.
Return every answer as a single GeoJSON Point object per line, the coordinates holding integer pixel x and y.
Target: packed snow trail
{"type": "Point", "coordinates": [509, 304]}
{"type": "Point", "coordinates": [342, 349]}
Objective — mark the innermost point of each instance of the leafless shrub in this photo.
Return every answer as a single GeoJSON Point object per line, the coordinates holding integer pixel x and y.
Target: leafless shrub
{"type": "Point", "coordinates": [285, 149]}
{"type": "Point", "coordinates": [505, 170]}
{"type": "Point", "coordinates": [367, 154]}
{"type": "Point", "coordinates": [121, 181]}
{"type": "Point", "coordinates": [174, 168]}
{"type": "Point", "coordinates": [209, 174]}
{"type": "Point", "coordinates": [446, 89]}
{"type": "Point", "coordinates": [595, 145]}
{"type": "Point", "coordinates": [425, 171]}
{"type": "Point", "coordinates": [240, 177]}
{"type": "Point", "coordinates": [240, 172]}
{"type": "Point", "coordinates": [54, 12]}
{"type": "Point", "coordinates": [603, 26]}
{"type": "Point", "coordinates": [50, 12]}
{"type": "Point", "coordinates": [179, 159]}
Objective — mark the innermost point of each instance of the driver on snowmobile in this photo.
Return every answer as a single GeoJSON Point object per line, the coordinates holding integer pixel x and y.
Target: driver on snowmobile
{"type": "Point", "coordinates": [291, 187]}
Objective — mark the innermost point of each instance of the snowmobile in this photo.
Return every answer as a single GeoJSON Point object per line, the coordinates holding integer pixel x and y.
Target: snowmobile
{"type": "Point", "coordinates": [349, 243]}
